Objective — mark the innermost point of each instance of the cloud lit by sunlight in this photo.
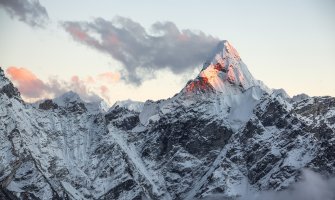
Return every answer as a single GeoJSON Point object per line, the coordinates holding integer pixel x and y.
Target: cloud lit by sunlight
{"type": "Point", "coordinates": [89, 88]}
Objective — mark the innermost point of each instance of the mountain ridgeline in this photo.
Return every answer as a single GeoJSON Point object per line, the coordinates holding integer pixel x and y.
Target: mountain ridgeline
{"type": "Point", "coordinates": [224, 133]}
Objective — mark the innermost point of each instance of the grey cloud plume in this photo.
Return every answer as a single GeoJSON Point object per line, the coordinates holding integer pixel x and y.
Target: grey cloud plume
{"type": "Point", "coordinates": [143, 52]}
{"type": "Point", "coordinates": [28, 11]}
{"type": "Point", "coordinates": [312, 187]}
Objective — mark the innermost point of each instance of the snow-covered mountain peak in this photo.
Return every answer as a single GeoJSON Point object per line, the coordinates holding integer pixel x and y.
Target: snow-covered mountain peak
{"type": "Point", "coordinates": [136, 106]}
{"type": "Point", "coordinates": [222, 49]}
{"type": "Point", "coordinates": [68, 98]}
{"type": "Point", "coordinates": [282, 93]}
{"type": "Point", "coordinates": [299, 97]}
{"type": "Point", "coordinates": [223, 72]}
{"type": "Point", "coordinates": [97, 106]}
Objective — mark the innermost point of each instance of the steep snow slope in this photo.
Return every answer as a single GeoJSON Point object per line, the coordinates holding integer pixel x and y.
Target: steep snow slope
{"type": "Point", "coordinates": [225, 132]}
{"type": "Point", "coordinates": [224, 83]}
{"type": "Point", "coordinates": [61, 152]}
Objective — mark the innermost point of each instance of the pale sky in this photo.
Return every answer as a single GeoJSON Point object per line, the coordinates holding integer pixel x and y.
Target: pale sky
{"type": "Point", "coordinates": [287, 44]}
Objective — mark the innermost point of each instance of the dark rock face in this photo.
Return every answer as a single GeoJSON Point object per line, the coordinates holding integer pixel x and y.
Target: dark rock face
{"type": "Point", "coordinates": [315, 106]}
{"type": "Point", "coordinates": [7, 195]}
{"type": "Point", "coordinates": [8, 88]}
{"type": "Point", "coordinates": [318, 120]}
{"type": "Point", "coordinates": [47, 105]}
{"type": "Point", "coordinates": [77, 108]}
{"type": "Point", "coordinates": [123, 118]}
{"type": "Point", "coordinates": [274, 115]}
{"type": "Point", "coordinates": [127, 185]}
{"type": "Point", "coordinates": [10, 91]}
{"type": "Point", "coordinates": [198, 137]}
{"type": "Point", "coordinates": [199, 85]}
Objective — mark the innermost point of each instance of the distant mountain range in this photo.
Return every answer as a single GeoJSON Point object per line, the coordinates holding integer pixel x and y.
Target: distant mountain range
{"type": "Point", "coordinates": [224, 133]}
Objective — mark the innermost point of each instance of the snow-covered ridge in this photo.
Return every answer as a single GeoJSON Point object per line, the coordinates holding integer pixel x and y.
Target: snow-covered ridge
{"type": "Point", "coordinates": [68, 98]}
{"type": "Point", "coordinates": [136, 106]}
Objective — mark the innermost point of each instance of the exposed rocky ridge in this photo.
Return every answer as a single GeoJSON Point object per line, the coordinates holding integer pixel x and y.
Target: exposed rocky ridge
{"type": "Point", "coordinates": [221, 134]}
{"type": "Point", "coordinates": [7, 87]}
